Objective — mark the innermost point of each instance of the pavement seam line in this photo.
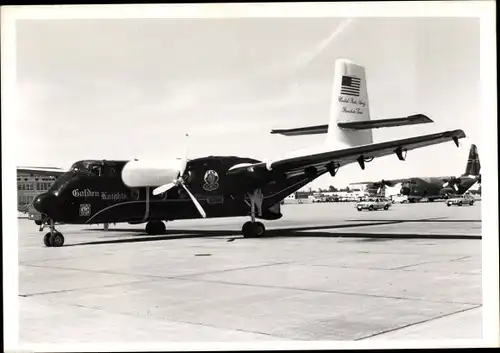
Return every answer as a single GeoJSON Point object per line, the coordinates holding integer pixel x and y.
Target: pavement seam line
{"type": "Point", "coordinates": [162, 277]}
{"type": "Point", "coordinates": [419, 322]}
{"type": "Point", "coordinates": [322, 291]}
{"type": "Point", "coordinates": [426, 262]}
{"type": "Point", "coordinates": [187, 278]}
{"type": "Point", "coordinates": [85, 288]}
{"type": "Point", "coordinates": [168, 319]}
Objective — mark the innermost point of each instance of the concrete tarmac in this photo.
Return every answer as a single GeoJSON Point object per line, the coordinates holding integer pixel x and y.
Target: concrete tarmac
{"type": "Point", "coordinates": [323, 272]}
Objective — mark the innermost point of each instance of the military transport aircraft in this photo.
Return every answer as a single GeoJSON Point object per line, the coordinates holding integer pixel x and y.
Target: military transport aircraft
{"type": "Point", "coordinates": [136, 191]}
{"type": "Point", "coordinates": [432, 188]}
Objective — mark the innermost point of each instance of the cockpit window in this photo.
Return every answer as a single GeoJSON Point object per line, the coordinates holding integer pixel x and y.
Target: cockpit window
{"type": "Point", "coordinates": [95, 169]}
{"type": "Point", "coordinates": [86, 166]}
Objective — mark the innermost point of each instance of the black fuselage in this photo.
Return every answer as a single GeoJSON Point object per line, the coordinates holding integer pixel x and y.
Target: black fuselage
{"type": "Point", "coordinates": [93, 192]}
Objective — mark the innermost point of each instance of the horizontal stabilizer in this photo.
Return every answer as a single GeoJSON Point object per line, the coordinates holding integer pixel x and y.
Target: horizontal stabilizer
{"type": "Point", "coordinates": [375, 124]}
{"type": "Point", "coordinates": [356, 125]}
{"type": "Point", "coordinates": [308, 130]}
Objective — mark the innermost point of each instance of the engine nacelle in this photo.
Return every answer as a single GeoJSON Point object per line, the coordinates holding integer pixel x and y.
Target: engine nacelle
{"type": "Point", "coordinates": [405, 190]}
{"type": "Point", "coordinates": [146, 173]}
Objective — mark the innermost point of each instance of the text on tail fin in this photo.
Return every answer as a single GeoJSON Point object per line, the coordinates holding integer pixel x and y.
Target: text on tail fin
{"type": "Point", "coordinates": [349, 105]}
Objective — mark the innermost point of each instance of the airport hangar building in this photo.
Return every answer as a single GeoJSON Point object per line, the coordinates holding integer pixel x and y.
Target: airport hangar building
{"type": "Point", "coordinates": [31, 185]}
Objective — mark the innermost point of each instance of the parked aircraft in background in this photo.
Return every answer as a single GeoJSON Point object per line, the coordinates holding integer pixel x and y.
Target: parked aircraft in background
{"type": "Point", "coordinates": [432, 188]}
{"type": "Point", "coordinates": [96, 191]}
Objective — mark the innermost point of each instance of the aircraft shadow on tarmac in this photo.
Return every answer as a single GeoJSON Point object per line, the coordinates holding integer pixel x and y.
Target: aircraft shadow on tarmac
{"type": "Point", "coordinates": [285, 233]}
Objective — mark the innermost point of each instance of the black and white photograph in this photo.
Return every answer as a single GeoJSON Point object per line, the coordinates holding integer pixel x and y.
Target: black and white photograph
{"type": "Point", "coordinates": [257, 176]}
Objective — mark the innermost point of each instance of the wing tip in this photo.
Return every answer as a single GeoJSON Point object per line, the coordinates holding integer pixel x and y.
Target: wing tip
{"type": "Point", "coordinates": [424, 119]}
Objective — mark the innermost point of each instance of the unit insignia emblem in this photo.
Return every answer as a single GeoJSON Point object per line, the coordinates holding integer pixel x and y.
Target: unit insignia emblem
{"type": "Point", "coordinates": [85, 210]}
{"type": "Point", "coordinates": [211, 180]}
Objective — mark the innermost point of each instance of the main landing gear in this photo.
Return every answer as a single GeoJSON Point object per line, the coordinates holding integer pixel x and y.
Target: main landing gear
{"type": "Point", "coordinates": [52, 238]}
{"type": "Point", "coordinates": [252, 229]}
{"type": "Point", "coordinates": [155, 228]}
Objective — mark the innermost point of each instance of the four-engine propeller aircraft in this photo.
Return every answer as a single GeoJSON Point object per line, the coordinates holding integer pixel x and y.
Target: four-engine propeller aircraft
{"type": "Point", "coordinates": [136, 191]}
{"type": "Point", "coordinates": [432, 188]}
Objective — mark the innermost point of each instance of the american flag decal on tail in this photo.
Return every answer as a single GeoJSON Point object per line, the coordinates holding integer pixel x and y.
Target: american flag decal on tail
{"type": "Point", "coordinates": [350, 86]}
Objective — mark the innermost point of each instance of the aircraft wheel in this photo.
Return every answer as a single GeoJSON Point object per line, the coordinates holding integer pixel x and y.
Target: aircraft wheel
{"type": "Point", "coordinates": [460, 203]}
{"type": "Point", "coordinates": [386, 207]}
{"type": "Point", "coordinates": [472, 203]}
{"type": "Point", "coordinates": [46, 240]}
{"type": "Point", "coordinates": [449, 204]}
{"type": "Point", "coordinates": [253, 230]}
{"type": "Point", "coordinates": [359, 208]}
{"type": "Point", "coordinates": [259, 229]}
{"type": "Point", "coordinates": [370, 208]}
{"type": "Point", "coordinates": [56, 239]}
{"type": "Point", "coordinates": [155, 228]}
{"type": "Point", "coordinates": [38, 222]}
{"type": "Point", "coordinates": [247, 229]}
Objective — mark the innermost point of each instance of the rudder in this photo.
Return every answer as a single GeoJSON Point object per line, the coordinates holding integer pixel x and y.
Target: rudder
{"type": "Point", "coordinates": [473, 167]}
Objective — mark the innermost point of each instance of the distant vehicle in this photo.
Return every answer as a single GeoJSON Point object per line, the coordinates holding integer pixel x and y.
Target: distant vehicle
{"type": "Point", "coordinates": [317, 198]}
{"type": "Point", "coordinates": [400, 199]}
{"type": "Point", "coordinates": [323, 198]}
{"type": "Point", "coordinates": [461, 200]}
{"type": "Point", "coordinates": [373, 204]}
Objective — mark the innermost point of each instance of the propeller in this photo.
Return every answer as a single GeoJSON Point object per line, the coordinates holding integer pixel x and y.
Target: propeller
{"type": "Point", "coordinates": [180, 181]}
{"type": "Point", "coordinates": [452, 181]}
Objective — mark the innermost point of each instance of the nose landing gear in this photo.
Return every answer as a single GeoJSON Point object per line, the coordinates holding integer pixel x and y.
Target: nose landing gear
{"type": "Point", "coordinates": [52, 238]}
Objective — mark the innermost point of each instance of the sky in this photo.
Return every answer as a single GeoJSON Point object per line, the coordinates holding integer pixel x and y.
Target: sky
{"type": "Point", "coordinates": [131, 88]}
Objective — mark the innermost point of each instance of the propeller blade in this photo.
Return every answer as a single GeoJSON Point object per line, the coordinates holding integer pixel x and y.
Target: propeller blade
{"type": "Point", "coordinates": [183, 165]}
{"type": "Point", "coordinates": [196, 203]}
{"type": "Point", "coordinates": [446, 184]}
{"type": "Point", "coordinates": [455, 187]}
{"type": "Point", "coordinates": [164, 188]}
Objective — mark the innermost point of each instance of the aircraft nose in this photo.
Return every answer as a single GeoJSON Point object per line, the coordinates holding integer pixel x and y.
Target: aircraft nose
{"type": "Point", "coordinates": [44, 203]}
{"type": "Point", "coordinates": [405, 190]}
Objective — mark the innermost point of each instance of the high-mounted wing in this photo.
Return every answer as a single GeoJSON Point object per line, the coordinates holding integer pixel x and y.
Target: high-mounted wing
{"type": "Point", "coordinates": [50, 171]}
{"type": "Point", "coordinates": [333, 159]}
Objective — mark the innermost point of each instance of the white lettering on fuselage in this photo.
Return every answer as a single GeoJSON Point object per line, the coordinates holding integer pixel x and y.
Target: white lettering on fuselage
{"type": "Point", "coordinates": [85, 193]}
{"type": "Point", "coordinates": [104, 195]}
{"type": "Point", "coordinates": [115, 196]}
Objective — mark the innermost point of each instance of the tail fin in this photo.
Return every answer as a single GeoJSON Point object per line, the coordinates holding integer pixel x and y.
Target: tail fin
{"type": "Point", "coordinates": [473, 165]}
{"type": "Point", "coordinates": [350, 122]}
{"type": "Point", "coordinates": [349, 104]}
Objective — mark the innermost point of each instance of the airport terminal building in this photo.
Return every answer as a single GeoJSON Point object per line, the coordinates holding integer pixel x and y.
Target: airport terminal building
{"type": "Point", "coordinates": [29, 186]}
